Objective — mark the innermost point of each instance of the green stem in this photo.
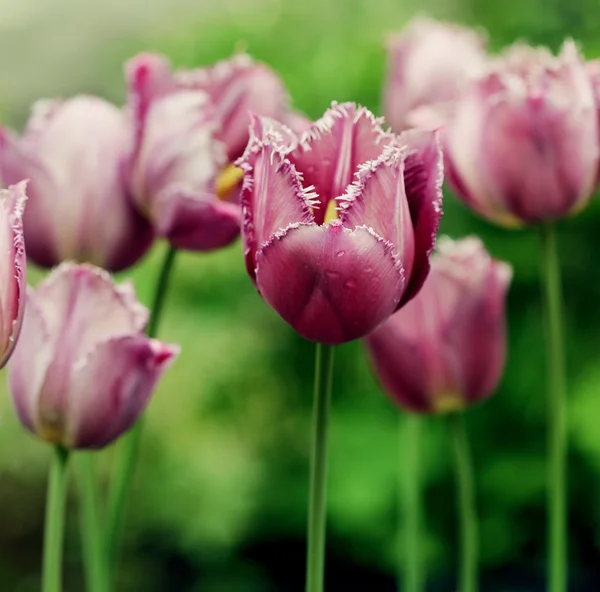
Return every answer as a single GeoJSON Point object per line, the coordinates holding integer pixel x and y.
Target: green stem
{"type": "Point", "coordinates": [130, 443]}
{"type": "Point", "coordinates": [463, 465]}
{"type": "Point", "coordinates": [91, 520]}
{"type": "Point", "coordinates": [315, 566]}
{"type": "Point", "coordinates": [557, 543]}
{"type": "Point", "coordinates": [409, 545]}
{"type": "Point", "coordinates": [55, 522]}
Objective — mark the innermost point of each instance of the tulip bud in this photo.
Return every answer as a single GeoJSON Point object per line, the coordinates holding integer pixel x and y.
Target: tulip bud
{"type": "Point", "coordinates": [14, 266]}
{"type": "Point", "coordinates": [83, 369]}
{"type": "Point", "coordinates": [429, 62]}
{"type": "Point", "coordinates": [339, 223]}
{"type": "Point", "coordinates": [522, 145]}
{"type": "Point", "coordinates": [446, 348]}
{"type": "Point", "coordinates": [190, 126]}
{"type": "Point", "coordinates": [74, 152]}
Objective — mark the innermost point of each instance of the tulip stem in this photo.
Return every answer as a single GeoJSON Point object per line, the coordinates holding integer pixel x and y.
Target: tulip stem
{"type": "Point", "coordinates": [409, 545]}
{"type": "Point", "coordinates": [317, 504]}
{"type": "Point", "coordinates": [55, 522]}
{"type": "Point", "coordinates": [557, 544]}
{"type": "Point", "coordinates": [130, 443]}
{"type": "Point", "coordinates": [463, 467]}
{"type": "Point", "coordinates": [91, 522]}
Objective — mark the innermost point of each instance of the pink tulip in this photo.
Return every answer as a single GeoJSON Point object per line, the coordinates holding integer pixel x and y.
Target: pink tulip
{"type": "Point", "coordinates": [446, 348]}
{"type": "Point", "coordinates": [74, 152]}
{"type": "Point", "coordinates": [83, 369]}
{"type": "Point", "coordinates": [339, 224]}
{"type": "Point", "coordinates": [190, 126]}
{"type": "Point", "coordinates": [429, 63]}
{"type": "Point", "coordinates": [14, 266]}
{"type": "Point", "coordinates": [523, 143]}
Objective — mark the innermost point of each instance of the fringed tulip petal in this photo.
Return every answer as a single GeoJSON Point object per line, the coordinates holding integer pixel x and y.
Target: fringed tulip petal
{"type": "Point", "coordinates": [12, 268]}
{"type": "Point", "coordinates": [378, 200]}
{"type": "Point", "coordinates": [331, 151]}
{"type": "Point", "coordinates": [329, 283]}
{"type": "Point", "coordinates": [423, 180]}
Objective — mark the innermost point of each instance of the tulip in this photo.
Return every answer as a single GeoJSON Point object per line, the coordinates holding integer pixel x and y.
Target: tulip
{"type": "Point", "coordinates": [14, 266]}
{"type": "Point", "coordinates": [83, 369]}
{"type": "Point", "coordinates": [429, 63]}
{"type": "Point", "coordinates": [339, 223]}
{"type": "Point", "coordinates": [522, 146]}
{"type": "Point", "coordinates": [446, 348]}
{"type": "Point", "coordinates": [191, 126]}
{"type": "Point", "coordinates": [74, 152]}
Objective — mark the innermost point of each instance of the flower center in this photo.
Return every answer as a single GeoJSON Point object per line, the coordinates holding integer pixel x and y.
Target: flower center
{"type": "Point", "coordinates": [227, 181]}
{"type": "Point", "coordinates": [331, 213]}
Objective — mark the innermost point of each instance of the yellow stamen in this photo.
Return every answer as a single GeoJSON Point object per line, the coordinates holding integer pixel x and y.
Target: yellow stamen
{"type": "Point", "coordinates": [227, 181]}
{"type": "Point", "coordinates": [448, 403]}
{"type": "Point", "coordinates": [331, 213]}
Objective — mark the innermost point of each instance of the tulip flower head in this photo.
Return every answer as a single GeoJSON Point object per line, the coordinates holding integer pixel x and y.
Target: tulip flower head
{"type": "Point", "coordinates": [191, 125]}
{"type": "Point", "coordinates": [339, 223]}
{"type": "Point", "coordinates": [429, 63]}
{"type": "Point", "coordinates": [12, 268]}
{"type": "Point", "coordinates": [446, 348]}
{"type": "Point", "coordinates": [522, 145]}
{"type": "Point", "coordinates": [74, 153]}
{"type": "Point", "coordinates": [83, 369]}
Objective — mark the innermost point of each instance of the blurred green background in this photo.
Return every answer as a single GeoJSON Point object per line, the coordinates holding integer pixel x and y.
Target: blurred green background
{"type": "Point", "coordinates": [219, 502]}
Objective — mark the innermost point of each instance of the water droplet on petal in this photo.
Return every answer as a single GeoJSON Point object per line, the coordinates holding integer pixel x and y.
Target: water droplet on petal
{"type": "Point", "coordinates": [340, 253]}
{"type": "Point", "coordinates": [332, 274]}
{"type": "Point", "coordinates": [350, 284]}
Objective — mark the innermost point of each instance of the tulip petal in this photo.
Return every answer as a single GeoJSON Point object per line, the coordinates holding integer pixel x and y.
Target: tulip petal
{"type": "Point", "coordinates": [423, 178]}
{"type": "Point", "coordinates": [148, 76]}
{"type": "Point", "coordinates": [238, 86]}
{"type": "Point", "coordinates": [117, 378]}
{"type": "Point", "coordinates": [195, 222]}
{"type": "Point", "coordinates": [272, 196]}
{"type": "Point", "coordinates": [399, 364]}
{"type": "Point", "coordinates": [81, 305]}
{"type": "Point", "coordinates": [334, 147]}
{"type": "Point", "coordinates": [561, 145]}
{"type": "Point", "coordinates": [15, 165]}
{"type": "Point", "coordinates": [177, 149]}
{"type": "Point", "coordinates": [476, 332]}
{"type": "Point", "coordinates": [13, 269]}
{"type": "Point", "coordinates": [377, 199]}
{"type": "Point", "coordinates": [329, 283]}
{"type": "Point", "coordinates": [74, 154]}
{"type": "Point", "coordinates": [29, 363]}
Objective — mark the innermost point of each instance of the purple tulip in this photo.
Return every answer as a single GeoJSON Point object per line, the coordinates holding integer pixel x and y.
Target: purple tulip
{"type": "Point", "coordinates": [446, 348]}
{"type": "Point", "coordinates": [14, 266]}
{"type": "Point", "coordinates": [339, 224]}
{"type": "Point", "coordinates": [429, 63]}
{"type": "Point", "coordinates": [83, 369]}
{"type": "Point", "coordinates": [522, 146]}
{"type": "Point", "coordinates": [191, 125]}
{"type": "Point", "coordinates": [74, 152]}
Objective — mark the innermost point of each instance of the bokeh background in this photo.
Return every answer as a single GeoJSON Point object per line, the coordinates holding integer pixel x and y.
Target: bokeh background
{"type": "Point", "coordinates": [219, 502]}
